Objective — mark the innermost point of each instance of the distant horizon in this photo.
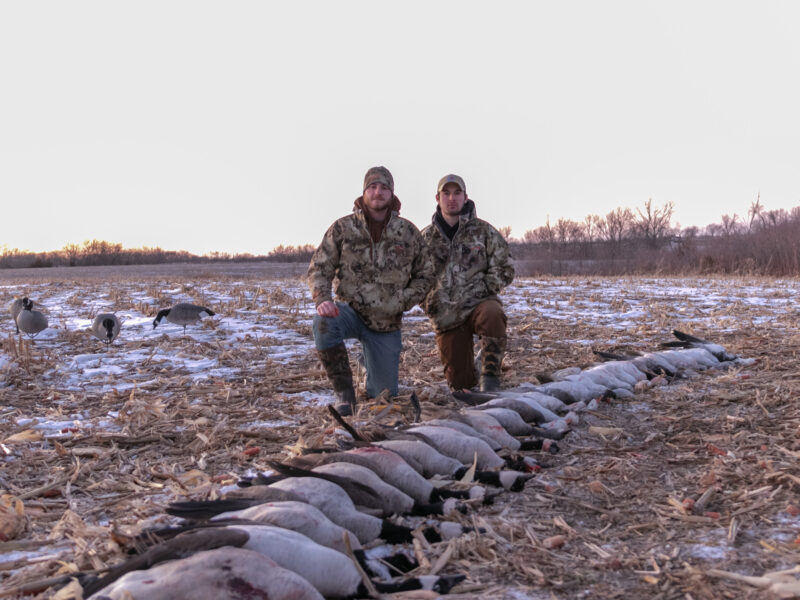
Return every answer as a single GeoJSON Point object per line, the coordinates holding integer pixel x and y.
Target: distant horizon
{"type": "Point", "coordinates": [514, 236]}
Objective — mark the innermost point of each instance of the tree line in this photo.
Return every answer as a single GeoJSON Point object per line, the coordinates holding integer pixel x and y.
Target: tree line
{"type": "Point", "coordinates": [100, 252]}
{"type": "Point", "coordinates": [646, 241]}
{"type": "Point", "coordinates": [625, 241]}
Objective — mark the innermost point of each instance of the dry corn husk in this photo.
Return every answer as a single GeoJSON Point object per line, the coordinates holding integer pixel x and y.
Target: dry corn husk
{"type": "Point", "coordinates": [12, 517]}
{"type": "Point", "coordinates": [25, 437]}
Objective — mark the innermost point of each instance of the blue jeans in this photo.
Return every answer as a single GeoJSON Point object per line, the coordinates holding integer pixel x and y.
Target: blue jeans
{"type": "Point", "coordinates": [381, 349]}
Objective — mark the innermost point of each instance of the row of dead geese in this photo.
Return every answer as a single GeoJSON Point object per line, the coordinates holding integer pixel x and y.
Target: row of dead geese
{"type": "Point", "coordinates": [318, 525]}
{"type": "Point", "coordinates": [105, 326]}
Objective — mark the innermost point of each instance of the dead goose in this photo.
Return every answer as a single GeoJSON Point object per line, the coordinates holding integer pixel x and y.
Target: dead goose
{"type": "Point", "coordinates": [208, 575]}
{"type": "Point", "coordinates": [14, 308]}
{"type": "Point", "coordinates": [690, 358]}
{"type": "Point", "coordinates": [461, 446]}
{"type": "Point", "coordinates": [183, 314]}
{"type": "Point", "coordinates": [29, 321]}
{"type": "Point", "coordinates": [511, 420]}
{"type": "Point", "coordinates": [651, 365]}
{"type": "Point", "coordinates": [336, 504]}
{"type": "Point", "coordinates": [489, 426]}
{"type": "Point", "coordinates": [686, 340]}
{"type": "Point", "coordinates": [462, 425]}
{"type": "Point", "coordinates": [331, 573]}
{"type": "Point", "coordinates": [389, 498]}
{"type": "Point", "coordinates": [325, 495]}
{"type": "Point", "coordinates": [390, 466]}
{"type": "Point", "coordinates": [238, 499]}
{"type": "Point", "coordinates": [105, 327]}
{"type": "Point", "coordinates": [542, 398]}
{"type": "Point", "coordinates": [297, 516]}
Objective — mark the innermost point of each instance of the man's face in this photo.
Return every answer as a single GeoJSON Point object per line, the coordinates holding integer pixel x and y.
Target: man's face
{"type": "Point", "coordinates": [451, 200]}
{"type": "Point", "coordinates": [377, 197]}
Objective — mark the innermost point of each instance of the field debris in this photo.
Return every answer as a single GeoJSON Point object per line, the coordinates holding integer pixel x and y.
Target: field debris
{"type": "Point", "coordinates": [687, 489]}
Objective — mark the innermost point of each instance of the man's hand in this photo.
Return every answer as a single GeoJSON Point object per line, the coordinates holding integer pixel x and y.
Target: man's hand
{"type": "Point", "coordinates": [328, 309]}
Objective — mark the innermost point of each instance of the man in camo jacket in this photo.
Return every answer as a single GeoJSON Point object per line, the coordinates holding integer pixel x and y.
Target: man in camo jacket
{"type": "Point", "coordinates": [472, 264]}
{"type": "Point", "coordinates": [380, 268]}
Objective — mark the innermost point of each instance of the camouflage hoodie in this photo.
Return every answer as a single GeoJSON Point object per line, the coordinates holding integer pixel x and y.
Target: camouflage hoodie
{"type": "Point", "coordinates": [475, 266]}
{"type": "Point", "coordinates": [378, 280]}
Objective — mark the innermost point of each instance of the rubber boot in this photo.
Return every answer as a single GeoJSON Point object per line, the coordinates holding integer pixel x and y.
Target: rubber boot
{"type": "Point", "coordinates": [337, 367]}
{"type": "Point", "coordinates": [491, 352]}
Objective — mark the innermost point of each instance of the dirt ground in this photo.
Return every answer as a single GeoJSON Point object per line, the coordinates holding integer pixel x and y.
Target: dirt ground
{"type": "Point", "coordinates": [674, 494]}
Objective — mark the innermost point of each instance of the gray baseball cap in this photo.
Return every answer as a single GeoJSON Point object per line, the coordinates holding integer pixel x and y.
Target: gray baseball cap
{"type": "Point", "coordinates": [451, 179]}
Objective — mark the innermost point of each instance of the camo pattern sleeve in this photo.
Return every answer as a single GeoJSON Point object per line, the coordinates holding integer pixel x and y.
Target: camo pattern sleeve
{"type": "Point", "coordinates": [475, 266]}
{"type": "Point", "coordinates": [324, 263]}
{"type": "Point", "coordinates": [500, 272]}
{"type": "Point", "coordinates": [378, 280]}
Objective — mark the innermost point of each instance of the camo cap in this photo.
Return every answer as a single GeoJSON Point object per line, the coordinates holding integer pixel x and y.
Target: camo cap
{"type": "Point", "coordinates": [451, 179]}
{"type": "Point", "coordinates": [379, 175]}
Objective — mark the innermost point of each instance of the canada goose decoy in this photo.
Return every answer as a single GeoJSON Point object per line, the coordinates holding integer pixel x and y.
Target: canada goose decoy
{"type": "Point", "coordinates": [15, 308]}
{"type": "Point", "coordinates": [29, 321]}
{"type": "Point", "coordinates": [105, 327]}
{"type": "Point", "coordinates": [183, 314]}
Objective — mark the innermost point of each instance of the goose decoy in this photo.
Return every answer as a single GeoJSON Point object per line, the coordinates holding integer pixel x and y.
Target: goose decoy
{"type": "Point", "coordinates": [105, 327]}
{"type": "Point", "coordinates": [183, 314]}
{"type": "Point", "coordinates": [29, 321]}
{"type": "Point", "coordinates": [15, 308]}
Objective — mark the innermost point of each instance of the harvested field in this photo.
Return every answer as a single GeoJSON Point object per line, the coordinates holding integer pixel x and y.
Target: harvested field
{"type": "Point", "coordinates": [96, 440]}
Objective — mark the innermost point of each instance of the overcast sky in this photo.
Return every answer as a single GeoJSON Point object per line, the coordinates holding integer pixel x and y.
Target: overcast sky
{"type": "Point", "coordinates": [238, 126]}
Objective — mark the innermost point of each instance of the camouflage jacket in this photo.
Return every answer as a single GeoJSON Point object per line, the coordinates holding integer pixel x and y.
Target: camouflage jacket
{"type": "Point", "coordinates": [475, 266]}
{"type": "Point", "coordinates": [378, 280]}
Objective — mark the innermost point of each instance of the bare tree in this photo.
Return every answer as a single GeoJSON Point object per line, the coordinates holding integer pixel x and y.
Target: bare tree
{"type": "Point", "coordinates": [505, 232]}
{"type": "Point", "coordinates": [568, 231]}
{"type": "Point", "coordinates": [591, 227]}
{"type": "Point", "coordinates": [72, 252]}
{"type": "Point", "coordinates": [754, 211]}
{"type": "Point", "coordinates": [653, 223]}
{"type": "Point", "coordinates": [545, 234]}
{"type": "Point", "coordinates": [617, 224]}
{"type": "Point", "coordinates": [730, 225]}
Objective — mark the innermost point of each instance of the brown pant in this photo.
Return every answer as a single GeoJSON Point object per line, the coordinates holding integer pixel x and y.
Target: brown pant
{"type": "Point", "coordinates": [455, 345]}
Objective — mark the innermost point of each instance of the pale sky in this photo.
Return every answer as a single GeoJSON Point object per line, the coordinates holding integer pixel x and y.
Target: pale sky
{"type": "Point", "coordinates": [239, 126]}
